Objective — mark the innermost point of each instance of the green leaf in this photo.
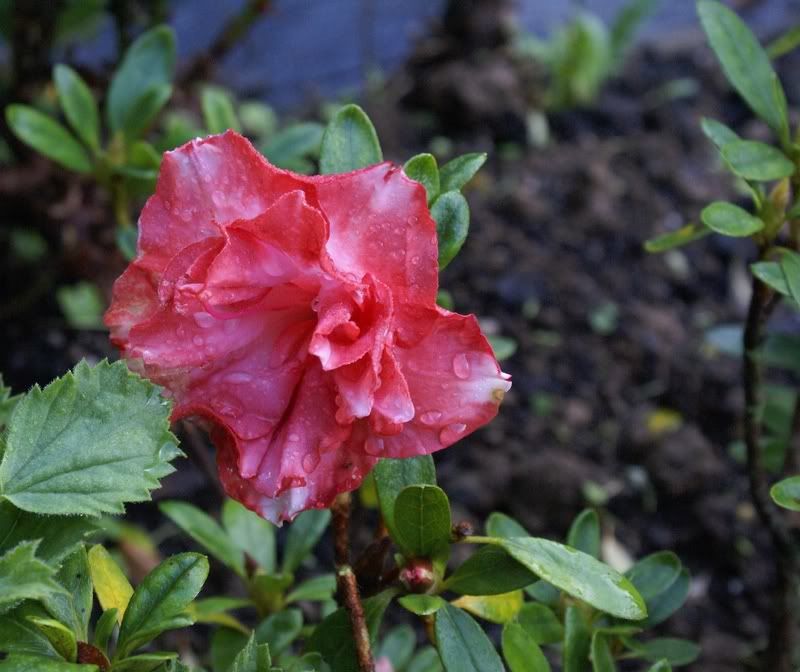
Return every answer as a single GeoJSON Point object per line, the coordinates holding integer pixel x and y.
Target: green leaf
{"type": "Point", "coordinates": [78, 104]}
{"type": "Point", "coordinates": [422, 519]}
{"type": "Point", "coordinates": [48, 137]}
{"type": "Point", "coordinates": [205, 531]}
{"type": "Point", "coordinates": [543, 592]}
{"type": "Point", "coordinates": [602, 660]}
{"type": "Point", "coordinates": [502, 346]}
{"type": "Point", "coordinates": [226, 644]}
{"type": "Point", "coordinates": [160, 601]}
{"type": "Point", "coordinates": [279, 630]}
{"type": "Point", "coordinates": [676, 651]}
{"type": "Point", "coordinates": [74, 606]}
{"type": "Point", "coordinates": [756, 161]}
{"type": "Point", "coordinates": [455, 174]}
{"type": "Point", "coordinates": [252, 658]}
{"type": "Point", "coordinates": [113, 589]}
{"type": "Point", "coordinates": [661, 607]}
{"type": "Point", "coordinates": [219, 114]}
{"type": "Point", "coordinates": [422, 605]}
{"type": "Point", "coordinates": [771, 274]}
{"type": "Point", "coordinates": [790, 265]}
{"type": "Point", "coordinates": [147, 65]}
{"type": "Point", "coordinates": [683, 236]}
{"type": "Point", "coordinates": [82, 305]}
{"type": "Point", "coordinates": [578, 574]}
{"type": "Point", "coordinates": [318, 589]}
{"type": "Point", "coordinates": [349, 142]}
{"type": "Point", "coordinates": [294, 142]}
{"type": "Point", "coordinates": [584, 533]}
{"type": "Point", "coordinates": [104, 629]}
{"type": "Point", "coordinates": [27, 663]}
{"type": "Point", "coordinates": [451, 213]}
{"type": "Point", "coordinates": [786, 493]}
{"type": "Point", "coordinates": [391, 476]}
{"type": "Point", "coordinates": [258, 119]}
{"type": "Point", "coordinates": [145, 662]}
{"type": "Point", "coordinates": [425, 660]}
{"type": "Point", "coordinates": [59, 635]}
{"type": "Point", "coordinates": [489, 571]}
{"type": "Point", "coordinates": [502, 526]}
{"type": "Point", "coordinates": [333, 638]}
{"type": "Point", "coordinates": [214, 610]}
{"type": "Point", "coordinates": [398, 646]}
{"type": "Point", "coordinates": [494, 608]}
{"type": "Point", "coordinates": [23, 576]}
{"type": "Point", "coordinates": [654, 574]}
{"type": "Point", "coordinates": [717, 132]}
{"type": "Point", "coordinates": [521, 651]}
{"type": "Point", "coordinates": [89, 442]}
{"type": "Point", "coordinates": [785, 43]}
{"type": "Point", "coordinates": [423, 169]}
{"type": "Point", "coordinates": [250, 533]}
{"type": "Point", "coordinates": [462, 644]}
{"type": "Point", "coordinates": [541, 623]}
{"type": "Point", "coordinates": [661, 666]}
{"type": "Point", "coordinates": [145, 108]}
{"type": "Point", "coordinates": [19, 635]}
{"type": "Point", "coordinates": [7, 405]}
{"type": "Point", "coordinates": [576, 640]}
{"type": "Point", "coordinates": [730, 220]}
{"type": "Point", "coordinates": [625, 25]}
{"type": "Point", "coordinates": [304, 533]}
{"type": "Point", "coordinates": [744, 61]}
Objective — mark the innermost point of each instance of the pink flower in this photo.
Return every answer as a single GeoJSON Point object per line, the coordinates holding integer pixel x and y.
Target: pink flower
{"type": "Point", "coordinates": [298, 316]}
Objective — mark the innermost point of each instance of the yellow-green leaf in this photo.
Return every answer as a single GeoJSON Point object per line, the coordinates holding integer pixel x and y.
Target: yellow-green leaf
{"type": "Point", "coordinates": [495, 608]}
{"type": "Point", "coordinates": [111, 586]}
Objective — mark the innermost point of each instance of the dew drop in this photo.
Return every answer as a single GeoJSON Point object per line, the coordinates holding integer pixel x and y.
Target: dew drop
{"type": "Point", "coordinates": [204, 320]}
{"type": "Point", "coordinates": [374, 446]}
{"type": "Point", "coordinates": [461, 366]}
{"type": "Point", "coordinates": [452, 433]}
{"type": "Point", "coordinates": [310, 461]}
{"type": "Point", "coordinates": [294, 438]}
{"type": "Point", "coordinates": [430, 417]}
{"type": "Point", "coordinates": [412, 220]}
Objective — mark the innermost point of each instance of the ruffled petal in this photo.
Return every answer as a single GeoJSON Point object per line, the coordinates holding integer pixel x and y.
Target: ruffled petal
{"type": "Point", "coordinates": [380, 224]}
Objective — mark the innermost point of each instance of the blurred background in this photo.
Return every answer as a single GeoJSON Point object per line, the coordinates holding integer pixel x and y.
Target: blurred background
{"type": "Point", "coordinates": [624, 395]}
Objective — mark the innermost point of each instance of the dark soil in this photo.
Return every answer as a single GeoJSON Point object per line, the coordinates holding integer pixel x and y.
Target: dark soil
{"type": "Point", "coordinates": [608, 335]}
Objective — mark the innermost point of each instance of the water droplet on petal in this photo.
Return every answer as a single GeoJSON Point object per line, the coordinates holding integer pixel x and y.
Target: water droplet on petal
{"type": "Point", "coordinates": [461, 366]}
{"type": "Point", "coordinates": [452, 433]}
{"type": "Point", "coordinates": [204, 320]}
{"type": "Point", "coordinates": [430, 417]}
{"type": "Point", "coordinates": [374, 445]}
{"type": "Point", "coordinates": [294, 438]}
{"type": "Point", "coordinates": [310, 461]}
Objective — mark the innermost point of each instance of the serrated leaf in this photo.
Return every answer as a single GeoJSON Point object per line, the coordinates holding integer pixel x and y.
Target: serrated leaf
{"type": "Point", "coordinates": [455, 174]}
{"type": "Point", "coordinates": [147, 64]}
{"type": "Point", "coordinates": [462, 644]}
{"type": "Point", "coordinates": [59, 635]}
{"type": "Point", "coordinates": [683, 236]}
{"type": "Point", "coordinates": [422, 520]}
{"type": "Point", "coordinates": [349, 142]}
{"type": "Point", "coordinates": [78, 104]}
{"type": "Point", "coordinates": [112, 587]}
{"type": "Point", "coordinates": [333, 638]}
{"type": "Point", "coordinates": [584, 533]}
{"type": "Point", "coordinates": [23, 576]}
{"type": "Point", "coordinates": [392, 475]}
{"type": "Point", "coordinates": [74, 606]}
{"type": "Point", "coordinates": [521, 651]}
{"type": "Point", "coordinates": [47, 137]}
{"type": "Point", "coordinates": [423, 169]}
{"type": "Point", "coordinates": [205, 531]}
{"type": "Point", "coordinates": [88, 443]}
{"type": "Point", "coordinates": [422, 605]}
{"type": "Point", "coordinates": [489, 571]}
{"type": "Point", "coordinates": [252, 658]}
{"type": "Point", "coordinates": [304, 533]}
{"type": "Point", "coordinates": [494, 608]}
{"type": "Point", "coordinates": [730, 220]}
{"type": "Point", "coordinates": [317, 589]}
{"type": "Point", "coordinates": [159, 603]}
{"type": "Point", "coordinates": [541, 623]}
{"type": "Point", "coordinates": [578, 574]}
{"type": "Point", "coordinates": [451, 213]}
{"type": "Point", "coordinates": [294, 142]}
{"type": "Point", "coordinates": [251, 533]}
{"type": "Point", "coordinates": [577, 640]}
{"type": "Point", "coordinates": [756, 161]}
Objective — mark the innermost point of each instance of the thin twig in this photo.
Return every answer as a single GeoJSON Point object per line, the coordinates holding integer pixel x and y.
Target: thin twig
{"type": "Point", "coordinates": [346, 581]}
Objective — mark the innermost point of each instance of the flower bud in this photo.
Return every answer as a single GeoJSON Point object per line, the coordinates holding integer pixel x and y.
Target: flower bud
{"type": "Point", "coordinates": [418, 576]}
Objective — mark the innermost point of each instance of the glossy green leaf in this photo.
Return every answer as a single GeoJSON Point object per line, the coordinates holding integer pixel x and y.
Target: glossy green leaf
{"type": "Point", "coordinates": [317, 589]}
{"type": "Point", "coordinates": [23, 576]}
{"type": "Point", "coordinates": [250, 533]}
{"type": "Point", "coordinates": [349, 142]}
{"type": "Point", "coordinates": [333, 638]}
{"type": "Point", "coordinates": [602, 660]}
{"type": "Point", "coordinates": [786, 493]}
{"type": "Point", "coordinates": [577, 641]}
{"type": "Point", "coordinates": [521, 651]}
{"type": "Point", "coordinates": [771, 274]}
{"type": "Point", "coordinates": [253, 657]}
{"type": "Point", "coordinates": [730, 220]}
{"type": "Point", "coordinates": [683, 236]}
{"type": "Point", "coordinates": [304, 533]}
{"type": "Point", "coordinates": [500, 525]}
{"type": "Point", "coordinates": [391, 476]}
{"type": "Point", "coordinates": [59, 635]}
{"type": "Point", "coordinates": [74, 606]}
{"type": "Point", "coordinates": [584, 533]}
{"type": "Point", "coordinates": [744, 61]}
{"type": "Point", "coordinates": [578, 574]}
{"type": "Point", "coordinates": [661, 607]}
{"type": "Point", "coordinates": [280, 629]}
{"type": "Point", "coordinates": [790, 265]}
{"type": "Point", "coordinates": [541, 623]}
{"type": "Point", "coordinates": [89, 442]}
{"type": "Point", "coordinates": [113, 589]}
{"type": "Point", "coordinates": [654, 574]}
{"type": "Point", "coordinates": [676, 651]}
{"type": "Point", "coordinates": [219, 114]}
{"type": "Point", "coordinates": [294, 142]}
{"type": "Point", "coordinates": [159, 603]}
{"type": "Point", "coordinates": [455, 174]}
{"type": "Point", "coordinates": [205, 531]}
{"type": "Point", "coordinates": [494, 608]}
{"type": "Point", "coordinates": [756, 160]}
{"type": "Point", "coordinates": [422, 605]}
{"type": "Point", "coordinates": [29, 663]}
{"type": "Point", "coordinates": [78, 104]}
{"type": "Point", "coordinates": [462, 644]}
{"type": "Point", "coordinates": [104, 629]}
{"type": "Point", "coordinates": [398, 646]}
{"type": "Point", "coordinates": [147, 65]}
{"type": "Point", "coordinates": [48, 137]}
{"type": "Point", "coordinates": [451, 213]}
{"type": "Point", "coordinates": [423, 169]}
{"type": "Point", "coordinates": [19, 635]}
{"type": "Point", "coordinates": [144, 109]}
{"type": "Point", "coordinates": [489, 571]}
{"type": "Point", "coordinates": [422, 520]}
{"type": "Point", "coordinates": [146, 662]}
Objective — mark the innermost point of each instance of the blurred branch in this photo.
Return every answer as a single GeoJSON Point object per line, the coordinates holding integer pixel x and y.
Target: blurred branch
{"type": "Point", "coordinates": [233, 31]}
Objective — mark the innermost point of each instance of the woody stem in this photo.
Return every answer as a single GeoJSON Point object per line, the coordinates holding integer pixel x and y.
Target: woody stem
{"type": "Point", "coordinates": [346, 581]}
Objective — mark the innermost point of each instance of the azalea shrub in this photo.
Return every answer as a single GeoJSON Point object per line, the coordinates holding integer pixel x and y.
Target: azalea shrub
{"type": "Point", "coordinates": [283, 296]}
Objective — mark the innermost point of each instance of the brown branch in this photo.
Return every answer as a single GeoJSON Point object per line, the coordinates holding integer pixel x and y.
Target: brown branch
{"type": "Point", "coordinates": [346, 581]}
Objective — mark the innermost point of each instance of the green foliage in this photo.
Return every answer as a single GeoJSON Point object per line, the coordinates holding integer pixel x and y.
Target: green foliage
{"type": "Point", "coordinates": [451, 213]}
{"type": "Point", "coordinates": [292, 146]}
{"type": "Point", "coordinates": [730, 220]}
{"type": "Point", "coordinates": [349, 142]}
{"type": "Point", "coordinates": [584, 533]}
{"type": "Point", "coordinates": [489, 571]}
{"type": "Point", "coordinates": [88, 443]}
{"type": "Point", "coordinates": [756, 161]}
{"type": "Point", "coordinates": [250, 533]}
{"type": "Point", "coordinates": [78, 104]}
{"type": "Point", "coordinates": [23, 576]}
{"type": "Point", "coordinates": [82, 305]}
{"type": "Point", "coordinates": [521, 651]}
{"type": "Point", "coordinates": [424, 169]}
{"type": "Point", "coordinates": [786, 493]}
{"type": "Point", "coordinates": [391, 476]}
{"type": "Point", "coordinates": [252, 658]}
{"type": "Point", "coordinates": [462, 644]}
{"type": "Point", "coordinates": [219, 114]}
{"type": "Point", "coordinates": [454, 175]}
{"type": "Point", "coordinates": [303, 536]}
{"type": "Point", "coordinates": [422, 520]}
